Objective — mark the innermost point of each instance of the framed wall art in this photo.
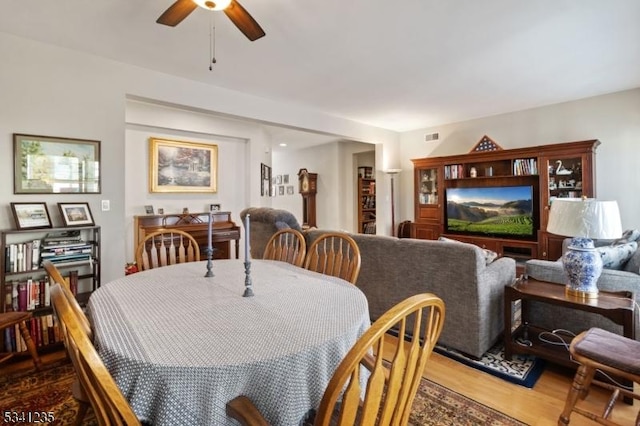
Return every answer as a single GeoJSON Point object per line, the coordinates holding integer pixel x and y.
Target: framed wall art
{"type": "Point", "coordinates": [31, 215]}
{"type": "Point", "coordinates": [52, 165]}
{"type": "Point", "coordinates": [178, 166]}
{"type": "Point", "coordinates": [265, 180]}
{"type": "Point", "coordinates": [76, 214]}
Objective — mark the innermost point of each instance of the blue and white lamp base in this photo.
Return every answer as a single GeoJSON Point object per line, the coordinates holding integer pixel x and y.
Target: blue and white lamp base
{"type": "Point", "coordinates": [583, 265]}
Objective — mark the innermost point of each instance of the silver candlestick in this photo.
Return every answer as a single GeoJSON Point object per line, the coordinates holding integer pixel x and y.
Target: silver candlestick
{"type": "Point", "coordinates": [248, 287]}
{"type": "Point", "coordinates": [209, 262]}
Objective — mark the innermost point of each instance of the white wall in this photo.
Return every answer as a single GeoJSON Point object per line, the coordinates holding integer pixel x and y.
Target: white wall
{"type": "Point", "coordinates": [336, 181]}
{"type": "Point", "coordinates": [47, 90]}
{"type": "Point", "coordinates": [614, 119]}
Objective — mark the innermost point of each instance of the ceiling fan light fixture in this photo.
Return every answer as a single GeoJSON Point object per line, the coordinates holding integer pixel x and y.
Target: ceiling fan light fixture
{"type": "Point", "coordinates": [213, 5]}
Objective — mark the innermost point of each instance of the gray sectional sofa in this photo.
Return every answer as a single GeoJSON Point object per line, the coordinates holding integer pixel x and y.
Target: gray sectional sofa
{"type": "Point", "coordinates": [394, 269]}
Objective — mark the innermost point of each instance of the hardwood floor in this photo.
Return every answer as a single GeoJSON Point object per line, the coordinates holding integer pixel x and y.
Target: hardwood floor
{"type": "Point", "coordinates": [539, 406]}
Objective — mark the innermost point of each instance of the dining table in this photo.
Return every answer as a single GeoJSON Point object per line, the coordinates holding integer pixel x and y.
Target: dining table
{"type": "Point", "coordinates": [181, 345]}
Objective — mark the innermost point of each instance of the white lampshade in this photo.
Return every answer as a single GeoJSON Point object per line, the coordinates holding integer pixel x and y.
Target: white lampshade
{"type": "Point", "coordinates": [590, 218]}
{"type": "Point", "coordinates": [213, 5]}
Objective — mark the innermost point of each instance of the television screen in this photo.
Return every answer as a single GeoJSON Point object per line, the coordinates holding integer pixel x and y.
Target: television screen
{"type": "Point", "coordinates": [505, 211]}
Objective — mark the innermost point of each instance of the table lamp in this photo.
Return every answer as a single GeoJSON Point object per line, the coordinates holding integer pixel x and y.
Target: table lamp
{"type": "Point", "coordinates": [583, 219]}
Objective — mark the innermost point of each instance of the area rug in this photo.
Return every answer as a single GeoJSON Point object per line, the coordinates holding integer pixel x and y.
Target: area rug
{"type": "Point", "coordinates": [523, 370]}
{"type": "Point", "coordinates": [50, 391]}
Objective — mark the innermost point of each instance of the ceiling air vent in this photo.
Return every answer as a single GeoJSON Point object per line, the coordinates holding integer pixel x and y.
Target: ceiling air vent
{"type": "Point", "coordinates": [431, 137]}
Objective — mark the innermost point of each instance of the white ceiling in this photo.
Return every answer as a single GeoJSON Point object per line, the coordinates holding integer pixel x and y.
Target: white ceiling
{"type": "Point", "coordinates": [399, 65]}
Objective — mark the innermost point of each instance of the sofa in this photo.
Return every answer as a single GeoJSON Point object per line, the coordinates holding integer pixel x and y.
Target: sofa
{"type": "Point", "coordinates": [393, 269]}
{"type": "Point", "coordinates": [264, 222]}
{"type": "Point", "coordinates": [625, 277]}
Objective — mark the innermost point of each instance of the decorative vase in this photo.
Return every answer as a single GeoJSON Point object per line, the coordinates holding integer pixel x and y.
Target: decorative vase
{"type": "Point", "coordinates": [583, 266]}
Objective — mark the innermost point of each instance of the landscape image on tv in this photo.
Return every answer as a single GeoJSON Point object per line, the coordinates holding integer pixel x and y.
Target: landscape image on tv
{"type": "Point", "coordinates": [506, 211]}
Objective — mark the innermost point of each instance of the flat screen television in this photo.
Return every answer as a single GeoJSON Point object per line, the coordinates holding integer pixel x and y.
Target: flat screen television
{"type": "Point", "coordinates": [495, 211]}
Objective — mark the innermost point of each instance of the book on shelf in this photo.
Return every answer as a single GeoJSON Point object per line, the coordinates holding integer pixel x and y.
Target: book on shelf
{"type": "Point", "coordinates": [61, 236]}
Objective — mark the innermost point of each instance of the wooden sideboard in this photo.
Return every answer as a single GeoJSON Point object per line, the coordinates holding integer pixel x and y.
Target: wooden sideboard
{"type": "Point", "coordinates": [224, 230]}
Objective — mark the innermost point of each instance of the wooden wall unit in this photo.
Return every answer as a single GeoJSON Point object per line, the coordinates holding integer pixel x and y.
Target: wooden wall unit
{"type": "Point", "coordinates": [555, 171]}
{"type": "Point", "coordinates": [224, 230]}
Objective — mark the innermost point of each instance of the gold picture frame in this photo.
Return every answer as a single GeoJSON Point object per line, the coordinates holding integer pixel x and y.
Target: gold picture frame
{"type": "Point", "coordinates": [181, 166]}
{"type": "Point", "coordinates": [53, 165]}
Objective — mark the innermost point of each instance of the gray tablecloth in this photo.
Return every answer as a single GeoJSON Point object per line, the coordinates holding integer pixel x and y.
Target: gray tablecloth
{"type": "Point", "coordinates": [180, 345]}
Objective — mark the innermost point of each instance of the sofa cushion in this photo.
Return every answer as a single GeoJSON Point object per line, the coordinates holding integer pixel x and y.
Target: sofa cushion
{"type": "Point", "coordinates": [489, 255]}
{"type": "Point", "coordinates": [633, 264]}
{"type": "Point", "coordinates": [614, 257]}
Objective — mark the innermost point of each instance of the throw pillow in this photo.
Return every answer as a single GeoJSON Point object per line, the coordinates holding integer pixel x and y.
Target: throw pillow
{"type": "Point", "coordinates": [627, 236]}
{"type": "Point", "coordinates": [489, 255]}
{"type": "Point", "coordinates": [614, 257]}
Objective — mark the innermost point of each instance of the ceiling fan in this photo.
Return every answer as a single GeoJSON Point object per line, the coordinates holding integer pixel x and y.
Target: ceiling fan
{"type": "Point", "coordinates": [234, 10]}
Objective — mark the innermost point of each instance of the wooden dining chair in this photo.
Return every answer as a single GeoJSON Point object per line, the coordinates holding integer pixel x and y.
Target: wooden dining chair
{"type": "Point", "coordinates": [335, 254]}
{"type": "Point", "coordinates": [166, 247]}
{"type": "Point", "coordinates": [78, 392]}
{"type": "Point", "coordinates": [19, 319]}
{"type": "Point", "coordinates": [108, 403]}
{"type": "Point", "coordinates": [391, 385]}
{"type": "Point", "coordinates": [287, 245]}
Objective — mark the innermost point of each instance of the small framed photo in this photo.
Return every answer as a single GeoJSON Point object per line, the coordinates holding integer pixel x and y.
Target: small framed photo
{"type": "Point", "coordinates": [76, 214]}
{"type": "Point", "coordinates": [148, 209]}
{"type": "Point", "coordinates": [290, 190]}
{"type": "Point", "coordinates": [285, 179]}
{"type": "Point", "coordinates": [281, 190]}
{"type": "Point", "coordinates": [279, 179]}
{"type": "Point", "coordinates": [214, 207]}
{"type": "Point", "coordinates": [31, 215]}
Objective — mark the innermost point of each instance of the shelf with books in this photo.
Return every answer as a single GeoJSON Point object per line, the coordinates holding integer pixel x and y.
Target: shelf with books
{"type": "Point", "coordinates": [24, 284]}
{"type": "Point", "coordinates": [366, 204]}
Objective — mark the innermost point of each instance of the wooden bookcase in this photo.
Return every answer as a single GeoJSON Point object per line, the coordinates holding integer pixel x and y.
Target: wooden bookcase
{"type": "Point", "coordinates": [14, 275]}
{"type": "Point", "coordinates": [555, 171]}
{"type": "Point", "coordinates": [366, 205]}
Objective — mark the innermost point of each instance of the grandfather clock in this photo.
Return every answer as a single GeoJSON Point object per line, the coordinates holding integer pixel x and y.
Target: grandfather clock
{"type": "Point", "coordinates": [308, 183]}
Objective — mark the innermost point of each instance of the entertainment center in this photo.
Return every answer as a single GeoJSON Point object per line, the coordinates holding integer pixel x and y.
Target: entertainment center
{"type": "Point", "coordinates": [499, 199]}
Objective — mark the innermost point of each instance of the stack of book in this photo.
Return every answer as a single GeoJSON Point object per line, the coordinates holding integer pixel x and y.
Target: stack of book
{"type": "Point", "coordinates": [65, 247]}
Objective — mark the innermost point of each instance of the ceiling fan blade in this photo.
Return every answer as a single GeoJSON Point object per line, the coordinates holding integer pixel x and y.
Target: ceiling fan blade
{"type": "Point", "coordinates": [177, 12]}
{"type": "Point", "coordinates": [245, 22]}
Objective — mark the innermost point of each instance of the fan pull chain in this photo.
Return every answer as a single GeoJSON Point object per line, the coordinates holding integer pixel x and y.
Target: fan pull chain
{"type": "Point", "coordinates": [212, 41]}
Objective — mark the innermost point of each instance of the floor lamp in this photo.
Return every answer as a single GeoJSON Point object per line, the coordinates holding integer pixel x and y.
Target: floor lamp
{"type": "Point", "coordinates": [392, 173]}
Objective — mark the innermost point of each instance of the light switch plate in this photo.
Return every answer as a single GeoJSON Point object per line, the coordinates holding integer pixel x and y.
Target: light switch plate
{"type": "Point", "coordinates": [106, 205]}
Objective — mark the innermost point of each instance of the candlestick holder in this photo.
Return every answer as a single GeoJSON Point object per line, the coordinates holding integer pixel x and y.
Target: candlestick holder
{"type": "Point", "coordinates": [209, 273]}
{"type": "Point", "coordinates": [248, 286]}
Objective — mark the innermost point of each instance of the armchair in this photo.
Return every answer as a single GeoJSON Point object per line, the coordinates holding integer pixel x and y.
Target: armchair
{"type": "Point", "coordinates": [266, 221]}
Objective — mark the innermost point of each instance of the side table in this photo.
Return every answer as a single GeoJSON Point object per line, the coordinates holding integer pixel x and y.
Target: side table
{"type": "Point", "coordinates": [525, 337]}
{"type": "Point", "coordinates": [617, 306]}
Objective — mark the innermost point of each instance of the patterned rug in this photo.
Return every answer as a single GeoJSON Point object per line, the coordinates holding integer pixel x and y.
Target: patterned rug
{"type": "Point", "coordinates": [49, 391]}
{"type": "Point", "coordinates": [523, 370]}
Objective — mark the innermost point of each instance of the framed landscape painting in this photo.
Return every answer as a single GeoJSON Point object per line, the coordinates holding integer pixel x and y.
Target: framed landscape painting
{"type": "Point", "coordinates": [178, 166]}
{"type": "Point", "coordinates": [52, 165]}
{"type": "Point", "coordinates": [31, 215]}
{"type": "Point", "coordinates": [76, 214]}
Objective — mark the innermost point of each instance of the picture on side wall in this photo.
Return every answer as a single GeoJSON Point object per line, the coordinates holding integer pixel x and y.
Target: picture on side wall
{"type": "Point", "coordinates": [290, 190]}
{"type": "Point", "coordinates": [52, 165]}
{"type": "Point", "coordinates": [265, 180]}
{"type": "Point", "coordinates": [31, 215]}
{"type": "Point", "coordinates": [76, 214]}
{"type": "Point", "coordinates": [281, 190]}
{"type": "Point", "coordinates": [179, 166]}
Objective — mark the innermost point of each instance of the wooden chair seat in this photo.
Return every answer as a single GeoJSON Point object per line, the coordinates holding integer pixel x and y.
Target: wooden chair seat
{"type": "Point", "coordinates": [600, 350]}
{"type": "Point", "coordinates": [11, 319]}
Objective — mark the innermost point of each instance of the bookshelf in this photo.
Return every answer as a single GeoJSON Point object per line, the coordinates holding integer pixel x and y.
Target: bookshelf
{"type": "Point", "coordinates": [553, 171]}
{"type": "Point", "coordinates": [24, 284]}
{"type": "Point", "coordinates": [366, 205]}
